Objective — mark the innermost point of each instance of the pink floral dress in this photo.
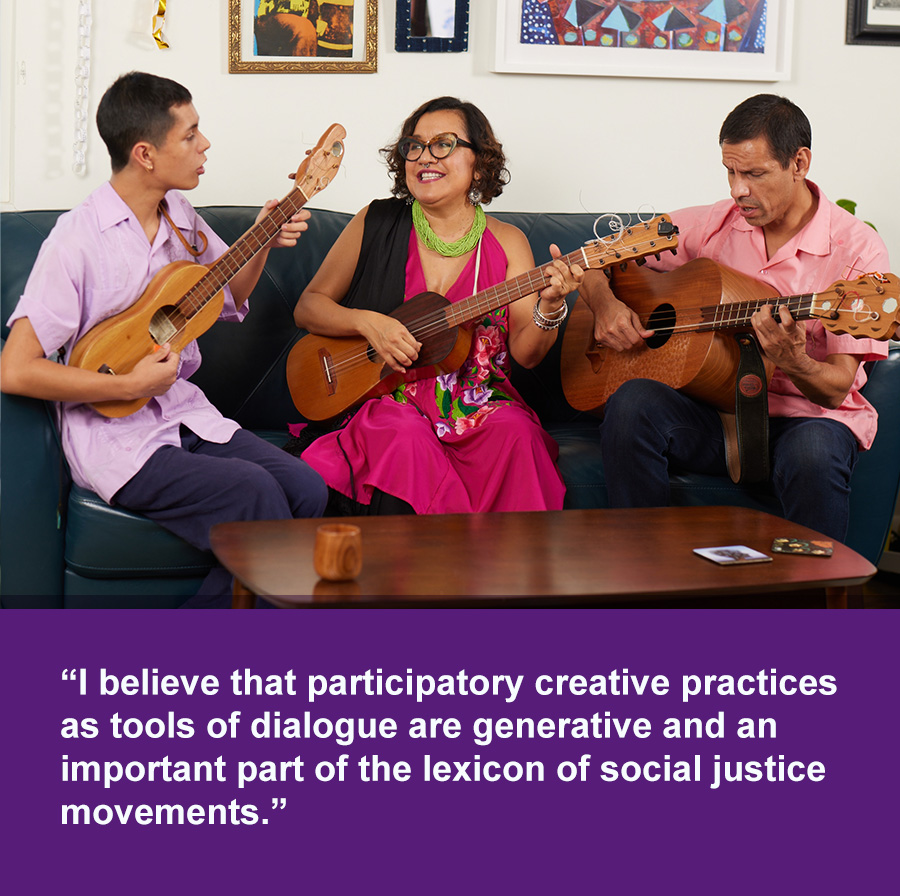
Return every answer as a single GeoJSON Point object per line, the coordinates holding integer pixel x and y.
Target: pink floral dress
{"type": "Point", "coordinates": [456, 443]}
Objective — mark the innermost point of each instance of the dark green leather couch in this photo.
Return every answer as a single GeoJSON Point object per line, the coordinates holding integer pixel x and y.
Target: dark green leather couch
{"type": "Point", "coordinates": [61, 546]}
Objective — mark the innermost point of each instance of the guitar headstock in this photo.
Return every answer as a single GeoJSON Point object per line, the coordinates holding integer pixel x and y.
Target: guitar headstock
{"type": "Point", "coordinates": [321, 163]}
{"type": "Point", "coordinates": [651, 237]}
{"type": "Point", "coordinates": [865, 307]}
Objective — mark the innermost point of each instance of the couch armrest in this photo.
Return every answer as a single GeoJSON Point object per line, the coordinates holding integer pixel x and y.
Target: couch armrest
{"type": "Point", "coordinates": [876, 479]}
{"type": "Point", "coordinates": [31, 544]}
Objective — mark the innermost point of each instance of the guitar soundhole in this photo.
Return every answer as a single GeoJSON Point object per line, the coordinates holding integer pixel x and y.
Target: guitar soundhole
{"type": "Point", "coordinates": [662, 320]}
{"type": "Point", "coordinates": [166, 324]}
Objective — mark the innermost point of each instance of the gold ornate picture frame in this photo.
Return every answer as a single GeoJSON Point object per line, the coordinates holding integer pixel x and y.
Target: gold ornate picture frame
{"type": "Point", "coordinates": [290, 36]}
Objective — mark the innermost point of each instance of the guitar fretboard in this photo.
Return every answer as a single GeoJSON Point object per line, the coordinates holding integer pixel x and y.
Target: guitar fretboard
{"type": "Point", "coordinates": [258, 236]}
{"type": "Point", "coordinates": [596, 254]}
{"type": "Point", "coordinates": [734, 315]}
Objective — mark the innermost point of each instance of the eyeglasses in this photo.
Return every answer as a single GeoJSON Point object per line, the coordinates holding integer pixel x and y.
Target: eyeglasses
{"type": "Point", "coordinates": [440, 147]}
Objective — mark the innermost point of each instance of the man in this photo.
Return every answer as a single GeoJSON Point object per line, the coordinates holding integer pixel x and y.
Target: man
{"type": "Point", "coordinates": [177, 459]}
{"type": "Point", "coordinates": [779, 228]}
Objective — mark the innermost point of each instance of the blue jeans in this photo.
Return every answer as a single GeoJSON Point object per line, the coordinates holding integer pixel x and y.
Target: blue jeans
{"type": "Point", "coordinates": [649, 429]}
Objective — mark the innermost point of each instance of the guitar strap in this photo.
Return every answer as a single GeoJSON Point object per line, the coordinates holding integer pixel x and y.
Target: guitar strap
{"type": "Point", "coordinates": [747, 430]}
{"type": "Point", "coordinates": [193, 250]}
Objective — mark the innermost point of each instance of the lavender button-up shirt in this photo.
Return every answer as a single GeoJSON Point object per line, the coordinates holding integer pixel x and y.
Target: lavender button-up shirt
{"type": "Point", "coordinates": [95, 263]}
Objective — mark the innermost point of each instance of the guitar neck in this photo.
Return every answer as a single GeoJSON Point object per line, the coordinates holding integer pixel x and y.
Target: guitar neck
{"type": "Point", "coordinates": [494, 297]}
{"type": "Point", "coordinates": [229, 264]}
{"type": "Point", "coordinates": [735, 315]}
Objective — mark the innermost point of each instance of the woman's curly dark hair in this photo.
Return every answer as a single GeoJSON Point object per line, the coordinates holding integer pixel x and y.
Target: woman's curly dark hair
{"type": "Point", "coordinates": [490, 175]}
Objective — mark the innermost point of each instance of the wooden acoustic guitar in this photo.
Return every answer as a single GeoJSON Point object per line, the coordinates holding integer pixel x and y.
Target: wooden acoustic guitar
{"type": "Point", "coordinates": [689, 308]}
{"type": "Point", "coordinates": [328, 375]}
{"type": "Point", "coordinates": [184, 299]}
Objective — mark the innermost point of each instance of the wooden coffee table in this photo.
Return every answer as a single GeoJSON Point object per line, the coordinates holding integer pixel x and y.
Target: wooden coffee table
{"type": "Point", "coordinates": [549, 558]}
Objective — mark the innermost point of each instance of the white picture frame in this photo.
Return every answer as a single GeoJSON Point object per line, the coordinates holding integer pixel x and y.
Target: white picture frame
{"type": "Point", "coordinates": [773, 63]}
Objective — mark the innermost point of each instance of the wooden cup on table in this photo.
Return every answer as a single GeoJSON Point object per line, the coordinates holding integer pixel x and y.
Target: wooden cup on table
{"type": "Point", "coordinates": [337, 556]}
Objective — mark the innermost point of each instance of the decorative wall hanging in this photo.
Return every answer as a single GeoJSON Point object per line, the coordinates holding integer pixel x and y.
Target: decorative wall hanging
{"type": "Point", "coordinates": [432, 26]}
{"type": "Point", "coordinates": [714, 39]}
{"type": "Point", "coordinates": [82, 88]}
{"type": "Point", "coordinates": [302, 36]}
{"type": "Point", "coordinates": [159, 22]}
{"type": "Point", "coordinates": [873, 22]}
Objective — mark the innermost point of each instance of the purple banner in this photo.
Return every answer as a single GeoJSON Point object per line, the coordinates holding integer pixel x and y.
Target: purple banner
{"type": "Point", "coordinates": [439, 752]}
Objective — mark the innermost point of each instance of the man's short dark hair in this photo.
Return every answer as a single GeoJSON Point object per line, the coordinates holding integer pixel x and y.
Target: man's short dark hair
{"type": "Point", "coordinates": [136, 107]}
{"type": "Point", "coordinates": [776, 118]}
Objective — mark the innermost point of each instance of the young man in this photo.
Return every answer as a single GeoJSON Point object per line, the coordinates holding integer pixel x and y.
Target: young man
{"type": "Point", "coordinates": [177, 459]}
{"type": "Point", "coordinates": [778, 228]}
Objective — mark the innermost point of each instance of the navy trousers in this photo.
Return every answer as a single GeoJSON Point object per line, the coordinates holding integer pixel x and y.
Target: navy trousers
{"type": "Point", "coordinates": [649, 428]}
{"type": "Point", "coordinates": [188, 490]}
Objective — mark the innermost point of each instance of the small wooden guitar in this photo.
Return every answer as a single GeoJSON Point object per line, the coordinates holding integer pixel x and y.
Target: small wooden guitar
{"type": "Point", "coordinates": [689, 308]}
{"type": "Point", "coordinates": [327, 375]}
{"type": "Point", "coordinates": [184, 299]}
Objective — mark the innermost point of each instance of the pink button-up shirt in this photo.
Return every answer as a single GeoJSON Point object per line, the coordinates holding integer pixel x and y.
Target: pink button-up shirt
{"type": "Point", "coordinates": [95, 263]}
{"type": "Point", "coordinates": [833, 246]}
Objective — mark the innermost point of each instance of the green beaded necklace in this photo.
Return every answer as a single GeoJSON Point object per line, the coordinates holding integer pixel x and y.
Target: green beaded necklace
{"type": "Point", "coordinates": [433, 241]}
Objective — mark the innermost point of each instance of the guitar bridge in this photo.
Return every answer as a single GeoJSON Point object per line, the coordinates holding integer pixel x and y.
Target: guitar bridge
{"type": "Point", "coordinates": [327, 367]}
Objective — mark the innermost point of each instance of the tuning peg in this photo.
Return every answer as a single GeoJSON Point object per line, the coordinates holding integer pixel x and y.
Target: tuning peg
{"type": "Point", "coordinates": [623, 266]}
{"type": "Point", "coordinates": [674, 251]}
{"type": "Point", "coordinates": [657, 256]}
{"type": "Point", "coordinates": [642, 260]}
{"type": "Point", "coordinates": [292, 175]}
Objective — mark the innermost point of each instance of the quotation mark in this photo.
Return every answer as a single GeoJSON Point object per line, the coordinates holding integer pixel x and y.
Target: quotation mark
{"type": "Point", "coordinates": [76, 675]}
{"type": "Point", "coordinates": [279, 803]}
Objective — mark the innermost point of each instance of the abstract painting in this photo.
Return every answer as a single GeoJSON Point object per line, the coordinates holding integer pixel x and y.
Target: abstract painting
{"type": "Point", "coordinates": [673, 38]}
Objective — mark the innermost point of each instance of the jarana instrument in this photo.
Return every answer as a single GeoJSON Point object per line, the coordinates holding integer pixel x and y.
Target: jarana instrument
{"type": "Point", "coordinates": [328, 375]}
{"type": "Point", "coordinates": [184, 299]}
{"type": "Point", "coordinates": [689, 308]}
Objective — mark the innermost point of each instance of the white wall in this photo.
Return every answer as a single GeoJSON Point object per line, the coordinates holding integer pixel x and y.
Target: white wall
{"type": "Point", "coordinates": [573, 143]}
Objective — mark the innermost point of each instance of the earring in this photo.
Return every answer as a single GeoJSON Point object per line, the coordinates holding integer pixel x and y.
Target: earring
{"type": "Point", "coordinates": [474, 195]}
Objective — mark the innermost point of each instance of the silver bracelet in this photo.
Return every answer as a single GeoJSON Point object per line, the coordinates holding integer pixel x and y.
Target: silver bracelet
{"type": "Point", "coordinates": [549, 323]}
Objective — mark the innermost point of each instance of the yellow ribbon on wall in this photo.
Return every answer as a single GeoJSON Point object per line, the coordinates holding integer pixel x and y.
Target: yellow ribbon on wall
{"type": "Point", "coordinates": [157, 33]}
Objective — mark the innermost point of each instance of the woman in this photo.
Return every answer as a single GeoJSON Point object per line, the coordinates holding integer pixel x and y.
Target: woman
{"type": "Point", "coordinates": [464, 441]}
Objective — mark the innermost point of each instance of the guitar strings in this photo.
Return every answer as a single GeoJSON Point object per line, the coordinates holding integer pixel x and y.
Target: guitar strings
{"type": "Point", "coordinates": [438, 321]}
{"type": "Point", "coordinates": [212, 282]}
{"type": "Point", "coordinates": [710, 319]}
{"type": "Point", "coordinates": [441, 319]}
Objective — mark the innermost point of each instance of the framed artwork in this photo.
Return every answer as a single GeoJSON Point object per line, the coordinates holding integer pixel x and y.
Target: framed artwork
{"type": "Point", "coordinates": [873, 22]}
{"type": "Point", "coordinates": [432, 26]}
{"type": "Point", "coordinates": [713, 39]}
{"type": "Point", "coordinates": [302, 36]}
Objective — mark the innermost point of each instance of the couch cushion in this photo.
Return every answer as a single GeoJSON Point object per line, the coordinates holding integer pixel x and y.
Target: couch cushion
{"type": "Point", "coordinates": [104, 542]}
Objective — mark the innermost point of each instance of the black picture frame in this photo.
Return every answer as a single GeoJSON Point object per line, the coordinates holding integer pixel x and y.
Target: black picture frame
{"type": "Point", "coordinates": [405, 43]}
{"type": "Point", "coordinates": [860, 31]}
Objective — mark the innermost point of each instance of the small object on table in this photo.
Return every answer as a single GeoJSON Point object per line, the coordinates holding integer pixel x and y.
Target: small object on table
{"type": "Point", "coordinates": [802, 546]}
{"type": "Point", "coordinates": [337, 555]}
{"type": "Point", "coordinates": [733, 555]}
